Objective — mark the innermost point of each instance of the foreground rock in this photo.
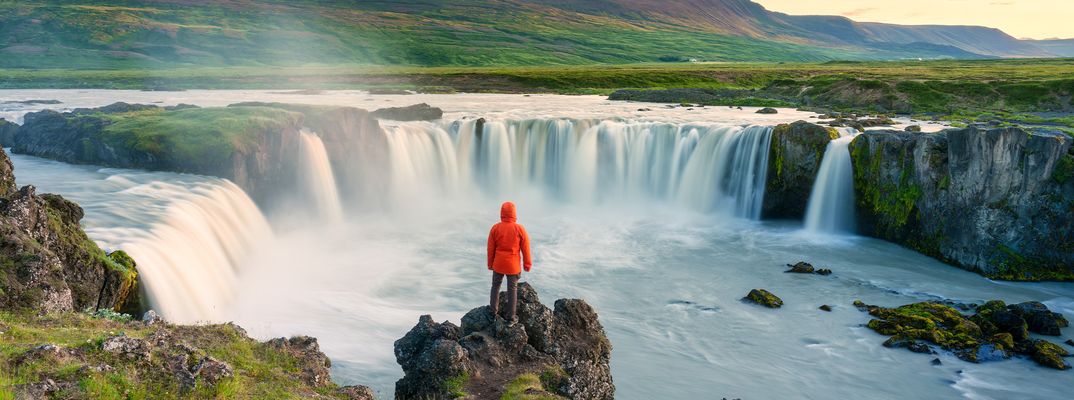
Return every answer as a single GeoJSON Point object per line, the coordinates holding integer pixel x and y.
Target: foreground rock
{"type": "Point", "coordinates": [794, 157]}
{"type": "Point", "coordinates": [995, 331]}
{"type": "Point", "coordinates": [73, 355]}
{"type": "Point", "coordinates": [764, 298]}
{"type": "Point", "coordinates": [996, 201]}
{"type": "Point", "coordinates": [416, 112]}
{"type": "Point", "coordinates": [50, 265]}
{"type": "Point", "coordinates": [561, 352]}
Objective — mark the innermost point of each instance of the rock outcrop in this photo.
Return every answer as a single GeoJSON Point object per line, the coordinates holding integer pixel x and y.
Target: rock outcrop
{"type": "Point", "coordinates": [416, 112]}
{"type": "Point", "coordinates": [7, 132]}
{"type": "Point", "coordinates": [48, 264]}
{"type": "Point", "coordinates": [997, 201]}
{"type": "Point", "coordinates": [794, 158]}
{"type": "Point", "coordinates": [996, 331]}
{"type": "Point", "coordinates": [565, 348]}
{"type": "Point", "coordinates": [91, 357]}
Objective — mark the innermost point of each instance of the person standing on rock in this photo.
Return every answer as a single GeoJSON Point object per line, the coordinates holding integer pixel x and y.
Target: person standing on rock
{"type": "Point", "coordinates": [508, 242]}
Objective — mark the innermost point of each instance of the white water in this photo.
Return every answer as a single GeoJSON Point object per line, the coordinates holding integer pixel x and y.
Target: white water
{"type": "Point", "coordinates": [319, 177]}
{"type": "Point", "coordinates": [831, 205]}
{"type": "Point", "coordinates": [187, 233]}
{"type": "Point", "coordinates": [704, 167]}
{"type": "Point", "coordinates": [664, 268]}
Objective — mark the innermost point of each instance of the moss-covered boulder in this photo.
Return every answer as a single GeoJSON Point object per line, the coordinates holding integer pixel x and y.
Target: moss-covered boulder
{"type": "Point", "coordinates": [794, 157]}
{"type": "Point", "coordinates": [764, 298]}
{"type": "Point", "coordinates": [993, 332]}
{"type": "Point", "coordinates": [983, 199]}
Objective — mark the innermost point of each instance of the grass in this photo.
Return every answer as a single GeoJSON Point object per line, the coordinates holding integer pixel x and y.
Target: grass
{"type": "Point", "coordinates": [207, 136]}
{"type": "Point", "coordinates": [261, 371]}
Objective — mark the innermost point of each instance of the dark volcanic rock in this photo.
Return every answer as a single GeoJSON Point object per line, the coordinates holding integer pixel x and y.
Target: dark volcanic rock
{"type": "Point", "coordinates": [764, 298]}
{"type": "Point", "coordinates": [416, 112]}
{"type": "Point", "coordinates": [794, 157]}
{"type": "Point", "coordinates": [825, 307]}
{"type": "Point", "coordinates": [800, 268]}
{"type": "Point", "coordinates": [1039, 318]}
{"type": "Point", "coordinates": [995, 201]}
{"type": "Point", "coordinates": [768, 110]}
{"type": "Point", "coordinates": [440, 359]}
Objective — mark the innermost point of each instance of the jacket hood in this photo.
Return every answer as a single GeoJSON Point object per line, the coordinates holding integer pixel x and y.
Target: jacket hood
{"type": "Point", "coordinates": [507, 212]}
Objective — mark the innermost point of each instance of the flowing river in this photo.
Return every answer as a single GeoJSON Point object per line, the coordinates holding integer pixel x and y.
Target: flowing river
{"type": "Point", "coordinates": [651, 216]}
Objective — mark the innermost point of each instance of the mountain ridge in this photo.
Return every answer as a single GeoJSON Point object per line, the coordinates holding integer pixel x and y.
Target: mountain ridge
{"type": "Point", "coordinates": [114, 34]}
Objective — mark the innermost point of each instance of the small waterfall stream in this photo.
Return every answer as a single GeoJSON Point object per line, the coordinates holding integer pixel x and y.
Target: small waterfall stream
{"type": "Point", "coordinates": [831, 204]}
{"type": "Point", "coordinates": [319, 177]}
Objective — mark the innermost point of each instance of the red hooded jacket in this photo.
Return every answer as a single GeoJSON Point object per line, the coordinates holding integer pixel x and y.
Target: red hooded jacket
{"type": "Point", "coordinates": [506, 240]}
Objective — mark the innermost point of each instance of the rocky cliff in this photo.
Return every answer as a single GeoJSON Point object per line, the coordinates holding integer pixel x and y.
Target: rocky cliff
{"type": "Point", "coordinates": [7, 132]}
{"type": "Point", "coordinates": [794, 158]}
{"type": "Point", "coordinates": [996, 201]}
{"type": "Point", "coordinates": [46, 261]}
{"type": "Point", "coordinates": [252, 146]}
{"type": "Point", "coordinates": [548, 354]}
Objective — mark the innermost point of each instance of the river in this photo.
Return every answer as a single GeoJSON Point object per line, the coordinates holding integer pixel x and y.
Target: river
{"type": "Point", "coordinates": [653, 223]}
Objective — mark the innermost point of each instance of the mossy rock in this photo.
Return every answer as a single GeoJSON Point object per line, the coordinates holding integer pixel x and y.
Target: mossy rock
{"type": "Point", "coordinates": [764, 298]}
{"type": "Point", "coordinates": [1048, 354]}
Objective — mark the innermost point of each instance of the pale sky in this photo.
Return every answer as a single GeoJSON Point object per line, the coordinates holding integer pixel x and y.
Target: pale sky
{"type": "Point", "coordinates": [1037, 19]}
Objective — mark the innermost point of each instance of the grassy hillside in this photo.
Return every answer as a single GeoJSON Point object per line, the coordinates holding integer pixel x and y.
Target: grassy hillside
{"type": "Point", "coordinates": [113, 34]}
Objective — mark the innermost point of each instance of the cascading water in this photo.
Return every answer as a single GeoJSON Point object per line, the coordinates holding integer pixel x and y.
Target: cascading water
{"type": "Point", "coordinates": [318, 175]}
{"type": "Point", "coordinates": [188, 259]}
{"type": "Point", "coordinates": [708, 168]}
{"type": "Point", "coordinates": [831, 204]}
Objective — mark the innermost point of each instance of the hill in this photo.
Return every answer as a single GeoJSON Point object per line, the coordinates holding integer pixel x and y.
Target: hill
{"type": "Point", "coordinates": [1059, 47]}
{"type": "Point", "coordinates": [115, 34]}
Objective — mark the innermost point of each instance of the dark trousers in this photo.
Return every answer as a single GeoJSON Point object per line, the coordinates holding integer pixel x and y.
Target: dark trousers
{"type": "Point", "coordinates": [512, 294]}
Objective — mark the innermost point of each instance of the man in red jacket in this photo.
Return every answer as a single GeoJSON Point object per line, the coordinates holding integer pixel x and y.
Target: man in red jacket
{"type": "Point", "coordinates": [507, 240]}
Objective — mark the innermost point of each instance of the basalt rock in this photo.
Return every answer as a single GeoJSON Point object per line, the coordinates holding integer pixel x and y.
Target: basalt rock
{"type": "Point", "coordinates": [1039, 319]}
{"type": "Point", "coordinates": [992, 333]}
{"type": "Point", "coordinates": [794, 157]}
{"type": "Point", "coordinates": [416, 112]}
{"type": "Point", "coordinates": [442, 360]}
{"type": "Point", "coordinates": [315, 366]}
{"type": "Point", "coordinates": [7, 132]}
{"type": "Point", "coordinates": [801, 268]}
{"type": "Point", "coordinates": [768, 110]}
{"type": "Point", "coordinates": [49, 264]}
{"type": "Point", "coordinates": [996, 201]}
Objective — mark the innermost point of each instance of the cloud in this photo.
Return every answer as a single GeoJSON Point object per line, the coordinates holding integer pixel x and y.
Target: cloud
{"type": "Point", "coordinates": [858, 11]}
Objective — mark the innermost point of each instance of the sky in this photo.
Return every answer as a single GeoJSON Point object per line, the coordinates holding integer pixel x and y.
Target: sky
{"type": "Point", "coordinates": [1037, 19]}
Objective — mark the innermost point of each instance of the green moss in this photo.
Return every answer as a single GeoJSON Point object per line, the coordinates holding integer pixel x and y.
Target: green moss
{"type": "Point", "coordinates": [764, 298]}
{"type": "Point", "coordinates": [529, 387]}
{"type": "Point", "coordinates": [1011, 265]}
{"type": "Point", "coordinates": [892, 203]}
{"type": "Point", "coordinates": [1064, 170]}
{"type": "Point", "coordinates": [456, 387]}
{"type": "Point", "coordinates": [261, 371]}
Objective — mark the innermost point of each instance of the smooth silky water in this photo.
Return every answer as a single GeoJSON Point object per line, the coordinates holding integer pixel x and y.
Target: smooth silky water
{"type": "Point", "coordinates": [651, 219]}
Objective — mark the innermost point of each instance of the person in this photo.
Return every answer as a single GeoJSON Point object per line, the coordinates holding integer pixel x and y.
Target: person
{"type": "Point", "coordinates": [507, 242]}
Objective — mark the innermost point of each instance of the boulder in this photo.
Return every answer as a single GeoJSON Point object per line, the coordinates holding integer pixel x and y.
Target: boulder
{"type": "Point", "coordinates": [315, 367]}
{"type": "Point", "coordinates": [357, 392]}
{"type": "Point", "coordinates": [825, 307]}
{"type": "Point", "coordinates": [800, 268]}
{"type": "Point", "coordinates": [441, 360]}
{"type": "Point", "coordinates": [1048, 354]}
{"type": "Point", "coordinates": [212, 371]}
{"type": "Point", "coordinates": [1039, 319]}
{"type": "Point", "coordinates": [768, 110]}
{"type": "Point", "coordinates": [764, 298]}
{"type": "Point", "coordinates": [913, 128]}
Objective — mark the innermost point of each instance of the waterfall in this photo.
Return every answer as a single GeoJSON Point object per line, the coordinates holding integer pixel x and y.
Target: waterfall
{"type": "Point", "coordinates": [705, 167]}
{"type": "Point", "coordinates": [318, 175]}
{"type": "Point", "coordinates": [187, 260]}
{"type": "Point", "coordinates": [831, 204]}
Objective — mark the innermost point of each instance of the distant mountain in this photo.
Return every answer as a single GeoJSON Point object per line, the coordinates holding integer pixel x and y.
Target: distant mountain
{"type": "Point", "coordinates": [1059, 47]}
{"type": "Point", "coordinates": [169, 33]}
